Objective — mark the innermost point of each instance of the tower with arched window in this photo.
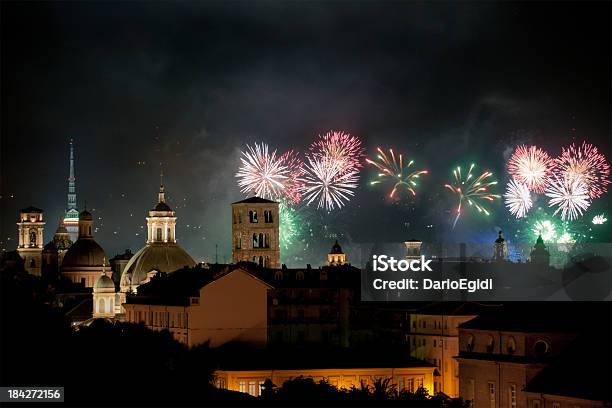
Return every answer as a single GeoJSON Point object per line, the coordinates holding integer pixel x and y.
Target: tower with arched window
{"type": "Point", "coordinates": [31, 225]}
{"type": "Point", "coordinates": [255, 232]}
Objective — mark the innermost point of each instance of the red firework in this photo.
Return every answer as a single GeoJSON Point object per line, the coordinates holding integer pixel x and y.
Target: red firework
{"type": "Point", "coordinates": [587, 163]}
{"type": "Point", "coordinates": [531, 166]}
{"type": "Point", "coordinates": [342, 148]}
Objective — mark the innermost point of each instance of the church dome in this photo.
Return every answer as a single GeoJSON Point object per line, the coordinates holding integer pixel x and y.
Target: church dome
{"type": "Point", "coordinates": [104, 284]}
{"type": "Point", "coordinates": [336, 248]}
{"type": "Point", "coordinates": [161, 257]}
{"type": "Point", "coordinates": [85, 215]}
{"type": "Point", "coordinates": [84, 252]}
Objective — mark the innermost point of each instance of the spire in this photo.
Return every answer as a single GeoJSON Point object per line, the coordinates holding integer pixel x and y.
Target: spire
{"type": "Point", "coordinates": [71, 180]}
{"type": "Point", "coordinates": [162, 194]}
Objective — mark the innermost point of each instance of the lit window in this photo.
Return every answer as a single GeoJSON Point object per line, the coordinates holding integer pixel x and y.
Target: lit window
{"type": "Point", "coordinates": [492, 394]}
{"type": "Point", "coordinates": [511, 345]}
{"type": "Point", "coordinates": [512, 395]}
{"type": "Point", "coordinates": [470, 343]}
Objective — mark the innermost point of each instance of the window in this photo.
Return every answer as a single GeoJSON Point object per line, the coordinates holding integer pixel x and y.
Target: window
{"type": "Point", "coordinates": [253, 216]}
{"type": "Point", "coordinates": [243, 386]}
{"type": "Point", "coordinates": [470, 343]}
{"type": "Point", "coordinates": [32, 263]}
{"type": "Point", "coordinates": [535, 403]}
{"type": "Point", "coordinates": [491, 387]}
{"type": "Point", "coordinates": [556, 405]}
{"type": "Point", "coordinates": [409, 384]}
{"type": "Point", "coordinates": [278, 275]}
{"type": "Point", "coordinates": [159, 234]}
{"type": "Point", "coordinates": [490, 344]}
{"type": "Point", "coordinates": [32, 237]}
{"type": "Point", "coordinates": [512, 396]}
{"type": "Point", "coordinates": [268, 216]}
{"type": "Point", "coordinates": [511, 346]}
{"type": "Point", "coordinates": [299, 276]}
{"type": "Point", "coordinates": [253, 388]}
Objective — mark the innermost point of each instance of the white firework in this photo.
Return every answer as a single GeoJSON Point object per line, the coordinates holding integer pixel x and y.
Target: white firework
{"type": "Point", "coordinates": [599, 219]}
{"type": "Point", "coordinates": [328, 182]}
{"type": "Point", "coordinates": [570, 195]}
{"type": "Point", "coordinates": [262, 173]}
{"type": "Point", "coordinates": [517, 199]}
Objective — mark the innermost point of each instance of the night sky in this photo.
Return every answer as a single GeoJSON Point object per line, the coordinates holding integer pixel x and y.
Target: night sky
{"type": "Point", "coordinates": [189, 84]}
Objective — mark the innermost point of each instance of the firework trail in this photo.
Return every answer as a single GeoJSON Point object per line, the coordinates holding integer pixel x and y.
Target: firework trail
{"type": "Point", "coordinates": [328, 182]}
{"type": "Point", "coordinates": [471, 190]}
{"type": "Point", "coordinates": [570, 195]}
{"type": "Point", "coordinates": [517, 199]}
{"type": "Point", "coordinates": [289, 225]}
{"type": "Point", "coordinates": [587, 163]}
{"type": "Point", "coordinates": [394, 169]}
{"type": "Point", "coordinates": [531, 166]}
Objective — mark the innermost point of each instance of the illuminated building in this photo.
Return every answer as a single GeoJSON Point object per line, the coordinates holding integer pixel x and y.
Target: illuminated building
{"type": "Point", "coordinates": [30, 227]}
{"type": "Point", "coordinates": [413, 248]}
{"type": "Point", "coordinates": [106, 302]}
{"type": "Point", "coordinates": [198, 305]}
{"type": "Point", "coordinates": [54, 251]}
{"type": "Point", "coordinates": [500, 248]}
{"type": "Point", "coordinates": [255, 232]}
{"type": "Point", "coordinates": [161, 252]}
{"type": "Point", "coordinates": [247, 370]}
{"type": "Point", "coordinates": [434, 337]}
{"type": "Point", "coordinates": [501, 353]}
{"type": "Point", "coordinates": [71, 221]}
{"type": "Point", "coordinates": [336, 256]}
{"type": "Point", "coordinates": [84, 258]}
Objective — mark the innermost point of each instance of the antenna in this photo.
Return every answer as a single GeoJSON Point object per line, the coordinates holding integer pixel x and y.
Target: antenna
{"type": "Point", "coordinates": [216, 253]}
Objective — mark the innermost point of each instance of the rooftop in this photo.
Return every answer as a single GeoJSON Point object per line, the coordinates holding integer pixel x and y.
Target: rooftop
{"type": "Point", "coordinates": [255, 200]}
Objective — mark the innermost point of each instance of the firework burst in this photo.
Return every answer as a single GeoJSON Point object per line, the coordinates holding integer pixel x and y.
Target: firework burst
{"type": "Point", "coordinates": [472, 190]}
{"type": "Point", "coordinates": [587, 163]}
{"type": "Point", "coordinates": [546, 229]}
{"type": "Point", "coordinates": [397, 171]}
{"type": "Point", "coordinates": [344, 149]}
{"type": "Point", "coordinates": [530, 166]}
{"type": "Point", "coordinates": [262, 173]}
{"type": "Point", "coordinates": [570, 195]}
{"type": "Point", "coordinates": [599, 219]}
{"type": "Point", "coordinates": [328, 182]}
{"type": "Point", "coordinates": [517, 199]}
{"type": "Point", "coordinates": [289, 225]}
{"type": "Point", "coordinates": [294, 184]}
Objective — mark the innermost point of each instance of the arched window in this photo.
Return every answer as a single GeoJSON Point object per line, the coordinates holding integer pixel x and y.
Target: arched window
{"type": "Point", "coordinates": [32, 263]}
{"type": "Point", "coordinates": [159, 234]}
{"type": "Point", "coordinates": [169, 232]}
{"type": "Point", "coordinates": [541, 348]}
{"type": "Point", "coordinates": [101, 306]}
{"type": "Point", "coordinates": [470, 343]}
{"type": "Point", "coordinates": [299, 275]}
{"type": "Point", "coordinates": [267, 241]}
{"type": "Point", "coordinates": [253, 216]}
{"type": "Point", "coordinates": [511, 346]}
{"type": "Point", "coordinates": [255, 241]}
{"type": "Point", "coordinates": [262, 243]}
{"type": "Point", "coordinates": [261, 260]}
{"type": "Point", "coordinates": [278, 275]}
{"type": "Point", "coordinates": [32, 237]}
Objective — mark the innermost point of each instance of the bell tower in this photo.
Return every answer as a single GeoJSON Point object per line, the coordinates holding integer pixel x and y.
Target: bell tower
{"type": "Point", "coordinates": [161, 222]}
{"type": "Point", "coordinates": [255, 232]}
{"type": "Point", "coordinates": [31, 225]}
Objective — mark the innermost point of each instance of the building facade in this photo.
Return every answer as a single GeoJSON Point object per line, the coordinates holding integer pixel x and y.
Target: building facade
{"type": "Point", "coordinates": [194, 305]}
{"type": "Point", "coordinates": [255, 236]}
{"type": "Point", "coordinates": [31, 240]}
